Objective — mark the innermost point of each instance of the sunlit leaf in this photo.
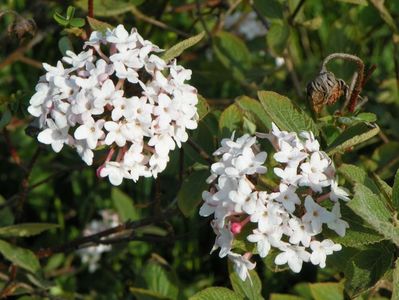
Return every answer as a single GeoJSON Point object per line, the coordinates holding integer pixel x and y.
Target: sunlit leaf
{"type": "Point", "coordinates": [178, 49]}
{"type": "Point", "coordinates": [23, 258]}
{"type": "Point", "coordinates": [25, 229]}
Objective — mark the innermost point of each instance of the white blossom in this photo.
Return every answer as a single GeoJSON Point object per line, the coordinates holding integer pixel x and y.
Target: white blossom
{"type": "Point", "coordinates": [120, 95]}
{"type": "Point", "coordinates": [288, 214]}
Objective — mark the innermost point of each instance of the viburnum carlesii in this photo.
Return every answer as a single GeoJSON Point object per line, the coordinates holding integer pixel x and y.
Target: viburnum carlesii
{"type": "Point", "coordinates": [288, 218]}
{"type": "Point", "coordinates": [119, 95]}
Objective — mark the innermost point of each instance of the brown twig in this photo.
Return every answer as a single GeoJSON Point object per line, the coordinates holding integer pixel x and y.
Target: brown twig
{"type": "Point", "coordinates": [97, 238]}
{"type": "Point", "coordinates": [90, 8]}
{"type": "Point", "coordinates": [360, 75]}
{"type": "Point", "coordinates": [200, 151]}
{"type": "Point", "coordinates": [16, 55]}
{"type": "Point", "coordinates": [296, 11]}
{"type": "Point", "coordinates": [139, 15]}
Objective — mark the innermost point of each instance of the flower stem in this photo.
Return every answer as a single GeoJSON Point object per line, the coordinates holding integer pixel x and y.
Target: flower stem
{"type": "Point", "coordinates": [90, 8]}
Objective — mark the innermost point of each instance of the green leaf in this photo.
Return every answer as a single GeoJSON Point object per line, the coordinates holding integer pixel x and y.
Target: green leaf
{"type": "Point", "coordinates": [144, 294]}
{"type": "Point", "coordinates": [249, 289]}
{"type": "Point", "coordinates": [202, 107]}
{"type": "Point", "coordinates": [385, 14]}
{"type": "Point", "coordinates": [395, 192]}
{"type": "Point", "coordinates": [277, 37]}
{"type": "Point", "coordinates": [178, 49]}
{"type": "Point", "coordinates": [98, 25]}
{"type": "Point", "coordinates": [285, 297]}
{"type": "Point", "coordinates": [5, 118]}
{"type": "Point", "coordinates": [60, 19]}
{"type": "Point", "coordinates": [232, 53]}
{"type": "Point", "coordinates": [216, 293]}
{"type": "Point", "coordinates": [230, 120]}
{"type": "Point", "coordinates": [374, 211]}
{"type": "Point", "coordinates": [190, 193]}
{"type": "Point", "coordinates": [358, 234]}
{"type": "Point", "coordinates": [358, 2]}
{"type": "Point", "coordinates": [366, 117]}
{"type": "Point", "coordinates": [64, 44]}
{"type": "Point", "coordinates": [6, 215]}
{"type": "Point", "coordinates": [327, 291]}
{"type": "Point", "coordinates": [355, 174]}
{"type": "Point", "coordinates": [109, 8]}
{"type": "Point", "coordinates": [312, 24]}
{"type": "Point", "coordinates": [124, 205]}
{"type": "Point", "coordinates": [269, 8]}
{"type": "Point", "coordinates": [77, 22]}
{"type": "Point", "coordinates": [395, 281]}
{"type": "Point", "coordinates": [254, 110]}
{"type": "Point", "coordinates": [163, 283]}
{"type": "Point", "coordinates": [384, 188]}
{"type": "Point", "coordinates": [283, 113]}
{"type": "Point", "coordinates": [367, 267]}
{"type": "Point", "coordinates": [23, 258]}
{"type": "Point", "coordinates": [26, 229]}
{"type": "Point", "coordinates": [70, 12]}
{"type": "Point", "coordinates": [353, 136]}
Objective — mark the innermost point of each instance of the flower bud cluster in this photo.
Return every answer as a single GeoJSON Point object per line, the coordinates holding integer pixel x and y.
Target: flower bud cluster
{"type": "Point", "coordinates": [92, 255]}
{"type": "Point", "coordinates": [288, 218]}
{"type": "Point", "coordinates": [118, 95]}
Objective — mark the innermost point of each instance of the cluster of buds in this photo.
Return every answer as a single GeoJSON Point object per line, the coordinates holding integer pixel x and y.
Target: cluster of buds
{"type": "Point", "coordinates": [118, 95]}
{"type": "Point", "coordinates": [289, 217]}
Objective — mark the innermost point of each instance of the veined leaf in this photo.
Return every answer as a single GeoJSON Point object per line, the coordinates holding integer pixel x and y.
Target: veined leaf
{"type": "Point", "coordinates": [395, 192]}
{"type": "Point", "coordinates": [353, 136]}
{"type": "Point", "coordinates": [254, 109]}
{"type": "Point", "coordinates": [25, 229]}
{"type": "Point", "coordinates": [327, 291]}
{"type": "Point", "coordinates": [367, 267]}
{"type": "Point", "coordinates": [178, 49]}
{"type": "Point", "coordinates": [109, 8]}
{"type": "Point", "coordinates": [250, 288]}
{"type": "Point", "coordinates": [23, 258]}
{"type": "Point", "coordinates": [190, 193]}
{"type": "Point", "coordinates": [216, 293]}
{"type": "Point", "coordinates": [395, 281]}
{"type": "Point", "coordinates": [124, 205]}
{"type": "Point", "coordinates": [98, 25]}
{"type": "Point", "coordinates": [230, 120]}
{"type": "Point", "coordinates": [232, 53]}
{"type": "Point", "coordinates": [282, 112]}
{"type": "Point", "coordinates": [374, 211]}
{"type": "Point", "coordinates": [355, 174]}
{"type": "Point", "coordinates": [202, 107]}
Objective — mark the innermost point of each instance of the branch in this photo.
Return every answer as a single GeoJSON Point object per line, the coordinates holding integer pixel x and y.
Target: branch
{"type": "Point", "coordinates": [97, 238]}
{"type": "Point", "coordinates": [139, 15]}
{"type": "Point", "coordinates": [200, 151]}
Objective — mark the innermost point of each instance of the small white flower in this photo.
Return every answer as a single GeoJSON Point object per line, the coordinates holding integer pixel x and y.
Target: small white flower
{"type": "Point", "coordinates": [294, 256]}
{"type": "Point", "coordinates": [321, 250]}
{"type": "Point", "coordinates": [121, 38]}
{"type": "Point", "coordinates": [287, 197]}
{"type": "Point", "coordinates": [337, 224]}
{"type": "Point", "coordinates": [316, 215]}
{"type": "Point", "coordinates": [338, 192]}
{"type": "Point", "coordinates": [241, 265]}
{"type": "Point", "coordinates": [313, 172]}
{"type": "Point", "coordinates": [115, 172]}
{"type": "Point", "coordinates": [290, 155]}
{"type": "Point", "coordinates": [54, 136]}
{"type": "Point", "coordinates": [91, 131]}
{"type": "Point", "coordinates": [78, 61]}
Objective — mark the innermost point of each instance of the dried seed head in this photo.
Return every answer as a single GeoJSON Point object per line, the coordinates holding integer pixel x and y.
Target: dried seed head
{"type": "Point", "coordinates": [325, 89]}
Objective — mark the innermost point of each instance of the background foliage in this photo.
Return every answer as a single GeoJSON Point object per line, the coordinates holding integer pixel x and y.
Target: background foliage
{"type": "Point", "coordinates": [169, 257]}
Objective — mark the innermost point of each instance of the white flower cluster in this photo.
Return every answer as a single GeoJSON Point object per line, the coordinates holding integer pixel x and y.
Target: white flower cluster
{"type": "Point", "coordinates": [117, 94]}
{"type": "Point", "coordinates": [288, 218]}
{"type": "Point", "coordinates": [246, 24]}
{"type": "Point", "coordinates": [92, 255]}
